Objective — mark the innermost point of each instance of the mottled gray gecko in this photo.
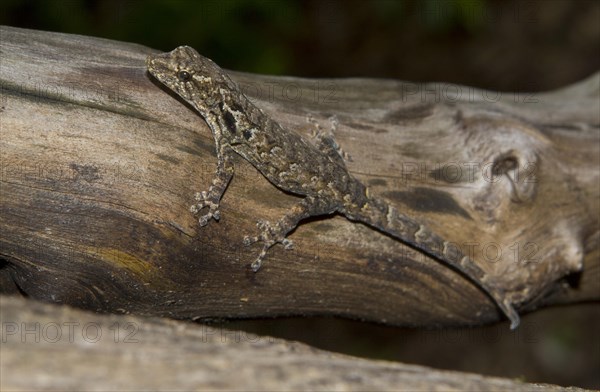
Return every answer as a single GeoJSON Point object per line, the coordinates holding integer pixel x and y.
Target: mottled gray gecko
{"type": "Point", "coordinates": [290, 162]}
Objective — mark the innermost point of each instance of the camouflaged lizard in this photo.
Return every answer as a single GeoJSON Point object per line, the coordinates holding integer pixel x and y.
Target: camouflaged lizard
{"type": "Point", "coordinates": [290, 162]}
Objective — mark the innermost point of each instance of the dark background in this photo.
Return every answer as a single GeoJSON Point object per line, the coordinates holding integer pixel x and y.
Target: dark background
{"type": "Point", "coordinates": [497, 45]}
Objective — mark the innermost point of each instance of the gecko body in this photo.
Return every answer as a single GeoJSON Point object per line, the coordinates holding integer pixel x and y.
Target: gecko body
{"type": "Point", "coordinates": [290, 162]}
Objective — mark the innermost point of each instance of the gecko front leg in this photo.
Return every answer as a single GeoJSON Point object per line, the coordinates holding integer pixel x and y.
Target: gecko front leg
{"type": "Point", "coordinates": [212, 197]}
{"type": "Point", "coordinates": [274, 234]}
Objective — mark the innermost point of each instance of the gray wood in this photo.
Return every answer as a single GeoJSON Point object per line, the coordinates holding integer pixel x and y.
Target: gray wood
{"type": "Point", "coordinates": [100, 165]}
{"type": "Point", "coordinates": [66, 349]}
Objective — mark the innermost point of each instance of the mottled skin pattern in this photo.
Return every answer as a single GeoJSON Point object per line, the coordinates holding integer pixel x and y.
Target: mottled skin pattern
{"type": "Point", "coordinates": [294, 165]}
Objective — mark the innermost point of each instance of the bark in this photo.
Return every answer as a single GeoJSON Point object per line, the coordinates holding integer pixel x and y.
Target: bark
{"type": "Point", "coordinates": [63, 349]}
{"type": "Point", "coordinates": [100, 165]}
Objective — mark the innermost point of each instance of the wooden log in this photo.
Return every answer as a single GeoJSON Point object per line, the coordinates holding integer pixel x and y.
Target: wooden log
{"type": "Point", "coordinates": [100, 165]}
{"type": "Point", "coordinates": [48, 347]}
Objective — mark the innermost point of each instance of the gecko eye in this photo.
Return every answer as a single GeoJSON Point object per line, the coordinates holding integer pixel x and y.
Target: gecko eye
{"type": "Point", "coordinates": [184, 76]}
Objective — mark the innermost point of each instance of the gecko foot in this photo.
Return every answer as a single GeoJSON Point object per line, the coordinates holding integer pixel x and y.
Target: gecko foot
{"type": "Point", "coordinates": [269, 236]}
{"type": "Point", "coordinates": [325, 140]}
{"type": "Point", "coordinates": [205, 199]}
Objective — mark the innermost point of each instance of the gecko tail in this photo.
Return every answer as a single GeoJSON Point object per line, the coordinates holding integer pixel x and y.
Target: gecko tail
{"type": "Point", "coordinates": [378, 214]}
{"type": "Point", "coordinates": [510, 312]}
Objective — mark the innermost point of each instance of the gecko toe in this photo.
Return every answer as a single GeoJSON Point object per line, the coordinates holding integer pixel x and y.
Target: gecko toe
{"type": "Point", "coordinates": [203, 220]}
{"type": "Point", "coordinates": [255, 266]}
{"type": "Point", "coordinates": [287, 244]}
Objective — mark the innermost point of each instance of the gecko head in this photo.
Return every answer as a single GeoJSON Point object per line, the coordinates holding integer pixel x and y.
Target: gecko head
{"type": "Point", "coordinates": [195, 78]}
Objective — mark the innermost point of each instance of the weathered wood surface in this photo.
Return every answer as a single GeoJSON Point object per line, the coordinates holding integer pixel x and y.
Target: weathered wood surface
{"type": "Point", "coordinates": [100, 164]}
{"type": "Point", "coordinates": [48, 347]}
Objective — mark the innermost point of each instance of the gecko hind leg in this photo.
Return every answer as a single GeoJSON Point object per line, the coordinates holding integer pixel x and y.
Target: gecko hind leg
{"type": "Point", "coordinates": [212, 197]}
{"type": "Point", "coordinates": [274, 234]}
{"type": "Point", "coordinates": [326, 143]}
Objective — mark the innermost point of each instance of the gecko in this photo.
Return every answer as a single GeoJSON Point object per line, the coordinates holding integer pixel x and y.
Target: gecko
{"type": "Point", "coordinates": [314, 171]}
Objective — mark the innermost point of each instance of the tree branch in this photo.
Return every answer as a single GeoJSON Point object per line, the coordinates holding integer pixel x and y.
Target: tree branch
{"type": "Point", "coordinates": [100, 165]}
{"type": "Point", "coordinates": [110, 352]}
